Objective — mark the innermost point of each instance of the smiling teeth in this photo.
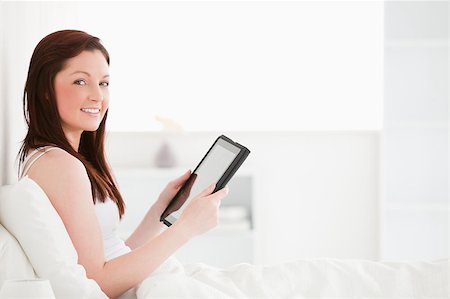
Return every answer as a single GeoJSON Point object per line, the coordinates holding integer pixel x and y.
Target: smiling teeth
{"type": "Point", "coordinates": [90, 110]}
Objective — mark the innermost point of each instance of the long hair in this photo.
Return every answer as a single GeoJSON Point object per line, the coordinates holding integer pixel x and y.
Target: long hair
{"type": "Point", "coordinates": [43, 120]}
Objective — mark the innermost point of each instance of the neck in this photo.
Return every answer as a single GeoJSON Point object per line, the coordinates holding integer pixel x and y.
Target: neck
{"type": "Point", "coordinates": [74, 139]}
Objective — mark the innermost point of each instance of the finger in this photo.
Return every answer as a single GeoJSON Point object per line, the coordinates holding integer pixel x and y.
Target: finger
{"type": "Point", "coordinates": [226, 190]}
{"type": "Point", "coordinates": [222, 192]}
{"type": "Point", "coordinates": [219, 195]}
{"type": "Point", "coordinates": [207, 191]}
{"type": "Point", "coordinates": [178, 182]}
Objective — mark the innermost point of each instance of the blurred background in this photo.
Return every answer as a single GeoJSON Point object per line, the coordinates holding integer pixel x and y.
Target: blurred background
{"type": "Point", "coordinates": [344, 106]}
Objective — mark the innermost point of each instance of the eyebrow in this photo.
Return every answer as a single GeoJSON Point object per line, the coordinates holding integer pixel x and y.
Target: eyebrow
{"type": "Point", "coordinates": [86, 73]}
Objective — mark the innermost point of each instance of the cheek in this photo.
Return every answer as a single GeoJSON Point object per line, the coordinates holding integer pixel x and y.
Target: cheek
{"type": "Point", "coordinates": [105, 103]}
{"type": "Point", "coordinates": [67, 100]}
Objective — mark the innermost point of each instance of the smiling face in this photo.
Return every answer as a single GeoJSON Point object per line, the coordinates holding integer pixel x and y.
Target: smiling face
{"type": "Point", "coordinates": [82, 95]}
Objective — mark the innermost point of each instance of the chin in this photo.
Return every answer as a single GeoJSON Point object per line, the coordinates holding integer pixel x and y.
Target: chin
{"type": "Point", "coordinates": [91, 128]}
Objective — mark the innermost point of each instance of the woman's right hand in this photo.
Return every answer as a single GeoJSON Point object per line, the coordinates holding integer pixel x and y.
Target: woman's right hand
{"type": "Point", "coordinates": [201, 214]}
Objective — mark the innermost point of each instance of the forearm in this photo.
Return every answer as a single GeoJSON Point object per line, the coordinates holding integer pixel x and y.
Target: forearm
{"type": "Point", "coordinates": [126, 271]}
{"type": "Point", "coordinates": [149, 228]}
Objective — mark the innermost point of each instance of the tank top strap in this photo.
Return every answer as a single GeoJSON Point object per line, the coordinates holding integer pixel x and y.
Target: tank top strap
{"type": "Point", "coordinates": [34, 156]}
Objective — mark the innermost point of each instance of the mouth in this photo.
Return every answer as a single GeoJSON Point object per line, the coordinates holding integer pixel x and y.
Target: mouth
{"type": "Point", "coordinates": [92, 111]}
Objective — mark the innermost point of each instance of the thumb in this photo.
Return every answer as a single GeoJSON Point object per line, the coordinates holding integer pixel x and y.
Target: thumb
{"type": "Point", "coordinates": [207, 191]}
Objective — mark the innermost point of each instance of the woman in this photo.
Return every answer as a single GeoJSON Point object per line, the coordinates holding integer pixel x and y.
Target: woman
{"type": "Point", "coordinates": [66, 102]}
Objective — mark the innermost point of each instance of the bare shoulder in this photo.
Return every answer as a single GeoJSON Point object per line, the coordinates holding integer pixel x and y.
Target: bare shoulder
{"type": "Point", "coordinates": [56, 163]}
{"type": "Point", "coordinates": [58, 172]}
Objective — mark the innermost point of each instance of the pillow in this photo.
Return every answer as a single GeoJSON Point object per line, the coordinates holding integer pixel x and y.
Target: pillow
{"type": "Point", "coordinates": [14, 264]}
{"type": "Point", "coordinates": [27, 213]}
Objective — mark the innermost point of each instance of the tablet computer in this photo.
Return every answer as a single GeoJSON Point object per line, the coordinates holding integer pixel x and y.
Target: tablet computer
{"type": "Point", "coordinates": [218, 166]}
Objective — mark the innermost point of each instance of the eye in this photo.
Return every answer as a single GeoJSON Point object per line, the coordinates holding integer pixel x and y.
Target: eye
{"type": "Point", "coordinates": [104, 84]}
{"type": "Point", "coordinates": [81, 82]}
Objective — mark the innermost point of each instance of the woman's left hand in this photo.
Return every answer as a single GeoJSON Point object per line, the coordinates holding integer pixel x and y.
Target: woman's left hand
{"type": "Point", "coordinates": [169, 192]}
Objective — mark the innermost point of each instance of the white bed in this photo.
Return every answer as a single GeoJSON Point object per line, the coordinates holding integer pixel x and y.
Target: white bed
{"type": "Point", "coordinates": [45, 251]}
{"type": "Point", "coordinates": [311, 278]}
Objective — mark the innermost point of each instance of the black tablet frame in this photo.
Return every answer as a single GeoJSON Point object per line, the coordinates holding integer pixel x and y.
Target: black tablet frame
{"type": "Point", "coordinates": [224, 179]}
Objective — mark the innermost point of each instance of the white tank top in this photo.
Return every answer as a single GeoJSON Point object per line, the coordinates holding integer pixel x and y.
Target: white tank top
{"type": "Point", "coordinates": [108, 218]}
{"type": "Point", "coordinates": [107, 212]}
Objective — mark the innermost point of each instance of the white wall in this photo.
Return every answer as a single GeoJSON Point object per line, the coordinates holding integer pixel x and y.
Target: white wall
{"type": "Point", "coordinates": [315, 193]}
{"type": "Point", "coordinates": [302, 64]}
{"type": "Point", "coordinates": [415, 152]}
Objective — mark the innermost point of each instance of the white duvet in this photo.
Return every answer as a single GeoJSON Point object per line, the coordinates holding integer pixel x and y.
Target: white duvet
{"type": "Point", "coordinates": [312, 278]}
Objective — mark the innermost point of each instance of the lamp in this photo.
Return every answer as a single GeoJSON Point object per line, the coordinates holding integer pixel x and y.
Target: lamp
{"type": "Point", "coordinates": [27, 289]}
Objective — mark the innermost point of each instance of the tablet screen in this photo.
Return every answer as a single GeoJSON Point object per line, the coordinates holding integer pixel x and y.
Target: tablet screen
{"type": "Point", "coordinates": [209, 171]}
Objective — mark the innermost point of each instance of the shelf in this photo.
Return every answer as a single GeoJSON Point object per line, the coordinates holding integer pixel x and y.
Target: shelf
{"type": "Point", "coordinates": [419, 43]}
{"type": "Point", "coordinates": [395, 125]}
{"type": "Point", "coordinates": [417, 207]}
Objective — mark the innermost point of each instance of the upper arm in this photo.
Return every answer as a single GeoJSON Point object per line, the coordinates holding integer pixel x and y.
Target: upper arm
{"type": "Point", "coordinates": [65, 181]}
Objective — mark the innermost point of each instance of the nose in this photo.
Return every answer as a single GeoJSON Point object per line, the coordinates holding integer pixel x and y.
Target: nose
{"type": "Point", "coordinates": [96, 94]}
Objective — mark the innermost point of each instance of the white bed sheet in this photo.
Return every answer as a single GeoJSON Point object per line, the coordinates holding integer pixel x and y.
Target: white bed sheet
{"type": "Point", "coordinates": [306, 278]}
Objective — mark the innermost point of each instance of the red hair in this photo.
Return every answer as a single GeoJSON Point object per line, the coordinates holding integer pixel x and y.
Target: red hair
{"type": "Point", "coordinates": [42, 118]}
